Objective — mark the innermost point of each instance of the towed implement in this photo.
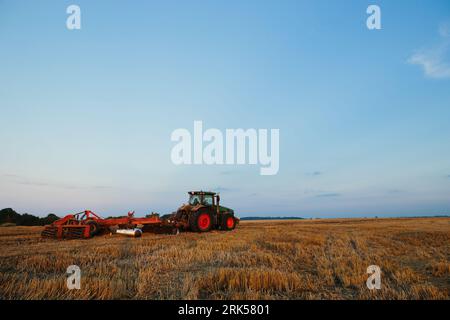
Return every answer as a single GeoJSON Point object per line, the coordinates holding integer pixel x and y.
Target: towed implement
{"type": "Point", "coordinates": [86, 224]}
{"type": "Point", "coordinates": [202, 213]}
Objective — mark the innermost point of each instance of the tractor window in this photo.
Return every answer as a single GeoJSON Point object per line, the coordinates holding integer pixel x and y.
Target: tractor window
{"type": "Point", "coordinates": [194, 200]}
{"type": "Point", "coordinates": [208, 200]}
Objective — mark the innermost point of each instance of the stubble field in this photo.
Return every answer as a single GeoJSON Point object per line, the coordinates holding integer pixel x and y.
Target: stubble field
{"type": "Point", "coordinates": [298, 259]}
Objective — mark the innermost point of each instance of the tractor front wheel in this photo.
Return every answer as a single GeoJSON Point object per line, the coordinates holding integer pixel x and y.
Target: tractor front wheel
{"type": "Point", "coordinates": [228, 222]}
{"type": "Point", "coordinates": [201, 221]}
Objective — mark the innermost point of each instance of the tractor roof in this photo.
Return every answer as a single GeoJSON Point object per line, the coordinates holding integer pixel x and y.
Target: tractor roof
{"type": "Point", "coordinates": [202, 192]}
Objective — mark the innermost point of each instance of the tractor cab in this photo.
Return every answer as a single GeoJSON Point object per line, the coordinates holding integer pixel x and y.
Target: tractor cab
{"type": "Point", "coordinates": [203, 198]}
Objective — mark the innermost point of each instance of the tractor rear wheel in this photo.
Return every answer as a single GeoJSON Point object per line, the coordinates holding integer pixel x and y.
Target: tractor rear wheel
{"type": "Point", "coordinates": [201, 221]}
{"type": "Point", "coordinates": [228, 222]}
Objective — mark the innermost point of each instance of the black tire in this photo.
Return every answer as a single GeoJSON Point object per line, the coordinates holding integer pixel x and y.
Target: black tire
{"type": "Point", "coordinates": [198, 221]}
{"type": "Point", "coordinates": [226, 224]}
{"type": "Point", "coordinates": [94, 228]}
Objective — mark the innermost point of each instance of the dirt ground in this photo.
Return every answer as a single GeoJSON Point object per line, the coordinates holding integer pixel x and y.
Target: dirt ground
{"type": "Point", "coordinates": [298, 259]}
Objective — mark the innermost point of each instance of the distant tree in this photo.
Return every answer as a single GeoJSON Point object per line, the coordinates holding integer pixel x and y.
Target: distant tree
{"type": "Point", "coordinates": [8, 215]}
{"type": "Point", "coordinates": [50, 218]}
{"type": "Point", "coordinates": [29, 220]}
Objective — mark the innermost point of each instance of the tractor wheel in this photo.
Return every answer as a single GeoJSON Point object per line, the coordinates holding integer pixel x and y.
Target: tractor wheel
{"type": "Point", "coordinates": [93, 227]}
{"type": "Point", "coordinates": [201, 221]}
{"type": "Point", "coordinates": [228, 222]}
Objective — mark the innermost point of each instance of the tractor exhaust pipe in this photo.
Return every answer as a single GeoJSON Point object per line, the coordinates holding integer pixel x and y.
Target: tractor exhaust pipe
{"type": "Point", "coordinates": [218, 204]}
{"type": "Point", "coordinates": [136, 233]}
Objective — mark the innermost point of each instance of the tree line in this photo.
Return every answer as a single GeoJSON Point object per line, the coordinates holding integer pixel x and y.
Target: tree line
{"type": "Point", "coordinates": [8, 215]}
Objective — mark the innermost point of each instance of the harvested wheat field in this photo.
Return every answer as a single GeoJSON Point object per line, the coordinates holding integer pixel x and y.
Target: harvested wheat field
{"type": "Point", "coordinates": [301, 259]}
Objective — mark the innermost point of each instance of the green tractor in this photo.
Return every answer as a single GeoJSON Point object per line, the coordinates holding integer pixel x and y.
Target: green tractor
{"type": "Point", "coordinates": [203, 213]}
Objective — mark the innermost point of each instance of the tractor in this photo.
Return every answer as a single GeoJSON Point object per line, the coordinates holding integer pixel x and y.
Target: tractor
{"type": "Point", "coordinates": [203, 213]}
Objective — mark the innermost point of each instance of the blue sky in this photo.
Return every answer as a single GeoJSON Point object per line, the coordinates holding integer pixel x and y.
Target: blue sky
{"type": "Point", "coordinates": [364, 116]}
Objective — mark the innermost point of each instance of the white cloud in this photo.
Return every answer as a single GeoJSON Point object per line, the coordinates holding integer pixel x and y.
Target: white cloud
{"type": "Point", "coordinates": [444, 30]}
{"type": "Point", "coordinates": [434, 61]}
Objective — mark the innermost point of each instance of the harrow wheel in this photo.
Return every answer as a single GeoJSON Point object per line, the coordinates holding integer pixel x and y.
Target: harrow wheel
{"type": "Point", "coordinates": [93, 227]}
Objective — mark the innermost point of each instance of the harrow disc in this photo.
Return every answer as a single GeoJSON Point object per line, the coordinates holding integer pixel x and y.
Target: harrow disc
{"type": "Point", "coordinates": [74, 232]}
{"type": "Point", "coordinates": [66, 232]}
{"type": "Point", "coordinates": [50, 232]}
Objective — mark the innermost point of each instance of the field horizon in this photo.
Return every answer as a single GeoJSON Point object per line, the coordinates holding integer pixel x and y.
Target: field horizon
{"type": "Point", "coordinates": [260, 259]}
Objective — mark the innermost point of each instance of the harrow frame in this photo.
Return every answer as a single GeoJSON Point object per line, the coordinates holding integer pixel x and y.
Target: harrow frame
{"type": "Point", "coordinates": [86, 224]}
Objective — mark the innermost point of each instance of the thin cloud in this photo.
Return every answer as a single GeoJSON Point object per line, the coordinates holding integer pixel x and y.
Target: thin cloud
{"type": "Point", "coordinates": [328, 195]}
{"type": "Point", "coordinates": [314, 173]}
{"type": "Point", "coordinates": [227, 172]}
{"type": "Point", "coordinates": [313, 191]}
{"type": "Point", "coordinates": [10, 175]}
{"type": "Point", "coordinates": [224, 189]}
{"type": "Point", "coordinates": [394, 191]}
{"type": "Point", "coordinates": [101, 187]}
{"type": "Point", "coordinates": [435, 61]}
{"type": "Point", "coordinates": [17, 179]}
{"type": "Point", "coordinates": [444, 29]}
